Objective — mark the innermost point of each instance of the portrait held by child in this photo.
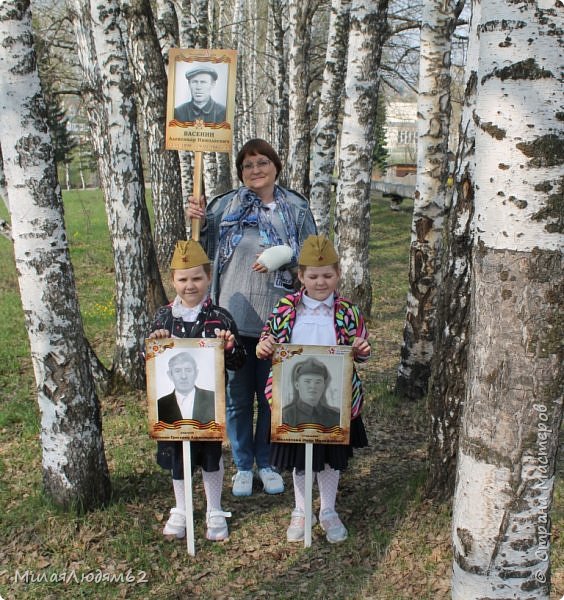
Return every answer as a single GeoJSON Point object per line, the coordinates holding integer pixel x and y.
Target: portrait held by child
{"type": "Point", "coordinates": [317, 315]}
{"type": "Point", "coordinates": [310, 379]}
{"type": "Point", "coordinates": [193, 315]}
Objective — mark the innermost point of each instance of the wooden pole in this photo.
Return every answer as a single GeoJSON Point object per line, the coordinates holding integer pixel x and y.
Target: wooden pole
{"type": "Point", "coordinates": [197, 192]}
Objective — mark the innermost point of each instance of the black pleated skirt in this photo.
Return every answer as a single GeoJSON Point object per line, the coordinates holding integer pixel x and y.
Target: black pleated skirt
{"type": "Point", "coordinates": [203, 454]}
{"type": "Point", "coordinates": [292, 456]}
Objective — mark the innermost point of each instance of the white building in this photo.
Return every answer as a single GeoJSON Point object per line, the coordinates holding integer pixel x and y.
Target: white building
{"type": "Point", "coordinates": [401, 137]}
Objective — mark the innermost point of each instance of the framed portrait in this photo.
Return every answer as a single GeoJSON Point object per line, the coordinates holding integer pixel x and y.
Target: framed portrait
{"type": "Point", "coordinates": [311, 394]}
{"type": "Point", "coordinates": [185, 389]}
{"type": "Point", "coordinates": [200, 99]}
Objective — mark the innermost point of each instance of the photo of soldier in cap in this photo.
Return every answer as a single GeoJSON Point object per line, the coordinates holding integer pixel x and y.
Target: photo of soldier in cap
{"type": "Point", "coordinates": [309, 381]}
{"type": "Point", "coordinates": [202, 83]}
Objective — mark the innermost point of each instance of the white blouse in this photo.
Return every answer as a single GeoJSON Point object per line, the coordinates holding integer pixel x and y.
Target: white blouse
{"type": "Point", "coordinates": [315, 322]}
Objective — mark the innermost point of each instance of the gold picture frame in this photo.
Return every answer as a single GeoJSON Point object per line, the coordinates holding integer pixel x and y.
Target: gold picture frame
{"type": "Point", "coordinates": [208, 128]}
{"type": "Point", "coordinates": [169, 388]}
{"type": "Point", "coordinates": [311, 394]}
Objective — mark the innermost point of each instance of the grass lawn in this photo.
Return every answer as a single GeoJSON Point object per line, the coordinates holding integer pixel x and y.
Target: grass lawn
{"type": "Point", "coordinates": [398, 547]}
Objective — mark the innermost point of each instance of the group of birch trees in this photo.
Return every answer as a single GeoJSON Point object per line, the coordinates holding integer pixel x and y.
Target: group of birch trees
{"type": "Point", "coordinates": [482, 332]}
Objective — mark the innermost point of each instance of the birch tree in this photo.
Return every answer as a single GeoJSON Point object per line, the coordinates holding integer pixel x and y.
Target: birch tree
{"type": "Point", "coordinates": [150, 79]}
{"type": "Point", "coordinates": [433, 110]}
{"type": "Point", "coordinates": [327, 126]}
{"type": "Point", "coordinates": [166, 25]}
{"type": "Point", "coordinates": [368, 29]}
{"type": "Point", "coordinates": [113, 122]}
{"type": "Point", "coordinates": [193, 28]}
{"type": "Point", "coordinates": [221, 38]}
{"type": "Point", "coordinates": [5, 229]}
{"type": "Point", "coordinates": [277, 16]}
{"type": "Point", "coordinates": [299, 82]}
{"type": "Point", "coordinates": [447, 387]}
{"type": "Point", "coordinates": [75, 473]}
{"type": "Point", "coordinates": [513, 406]}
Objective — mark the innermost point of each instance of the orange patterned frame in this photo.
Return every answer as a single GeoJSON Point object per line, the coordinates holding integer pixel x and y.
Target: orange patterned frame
{"type": "Point", "coordinates": [199, 136]}
{"type": "Point", "coordinates": [158, 353]}
{"type": "Point", "coordinates": [339, 362]}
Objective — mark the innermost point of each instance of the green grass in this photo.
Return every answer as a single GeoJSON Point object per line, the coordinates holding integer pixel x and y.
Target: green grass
{"type": "Point", "coordinates": [398, 545]}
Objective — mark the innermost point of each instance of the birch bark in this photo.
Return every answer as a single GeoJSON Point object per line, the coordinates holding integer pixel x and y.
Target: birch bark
{"type": "Point", "coordinates": [513, 405]}
{"type": "Point", "coordinates": [447, 386]}
{"type": "Point", "coordinates": [433, 109]}
{"type": "Point", "coordinates": [113, 121]}
{"type": "Point", "coordinates": [278, 14]}
{"type": "Point", "coordinates": [327, 126]}
{"type": "Point", "coordinates": [150, 79]}
{"type": "Point", "coordinates": [299, 81]}
{"type": "Point", "coordinates": [368, 30]}
{"type": "Point", "coordinates": [166, 24]}
{"type": "Point", "coordinates": [75, 473]}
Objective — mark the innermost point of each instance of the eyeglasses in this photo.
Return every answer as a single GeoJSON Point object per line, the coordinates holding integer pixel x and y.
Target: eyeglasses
{"type": "Point", "coordinates": [261, 164]}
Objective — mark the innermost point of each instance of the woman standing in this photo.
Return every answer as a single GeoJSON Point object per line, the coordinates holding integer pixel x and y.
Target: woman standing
{"type": "Point", "coordinates": [236, 228]}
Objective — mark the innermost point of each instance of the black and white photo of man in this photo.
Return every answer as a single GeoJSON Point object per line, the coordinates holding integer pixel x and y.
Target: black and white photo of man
{"type": "Point", "coordinates": [186, 401]}
{"type": "Point", "coordinates": [201, 82]}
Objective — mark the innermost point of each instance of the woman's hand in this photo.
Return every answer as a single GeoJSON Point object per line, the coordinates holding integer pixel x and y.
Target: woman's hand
{"type": "Point", "coordinates": [265, 348]}
{"type": "Point", "coordinates": [258, 267]}
{"type": "Point", "coordinates": [361, 347]}
{"type": "Point", "coordinates": [196, 209]}
{"type": "Point", "coordinates": [159, 334]}
{"type": "Point", "coordinates": [227, 337]}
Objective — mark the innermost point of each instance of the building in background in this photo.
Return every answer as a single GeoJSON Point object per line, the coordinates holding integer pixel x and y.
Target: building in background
{"type": "Point", "coordinates": [401, 141]}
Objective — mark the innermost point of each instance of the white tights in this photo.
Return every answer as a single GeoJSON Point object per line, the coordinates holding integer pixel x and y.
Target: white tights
{"type": "Point", "coordinates": [213, 485]}
{"type": "Point", "coordinates": [327, 482]}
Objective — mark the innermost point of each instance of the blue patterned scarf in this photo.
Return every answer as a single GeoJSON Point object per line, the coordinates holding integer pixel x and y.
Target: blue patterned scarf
{"type": "Point", "coordinates": [250, 211]}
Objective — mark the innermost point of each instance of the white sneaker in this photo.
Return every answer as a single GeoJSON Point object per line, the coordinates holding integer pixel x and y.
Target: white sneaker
{"type": "Point", "coordinates": [296, 530]}
{"type": "Point", "coordinates": [217, 525]}
{"type": "Point", "coordinates": [334, 529]}
{"type": "Point", "coordinates": [242, 483]}
{"type": "Point", "coordinates": [176, 524]}
{"type": "Point", "coordinates": [271, 480]}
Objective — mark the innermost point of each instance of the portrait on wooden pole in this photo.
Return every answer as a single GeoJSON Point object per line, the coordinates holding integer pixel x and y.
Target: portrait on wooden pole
{"type": "Point", "coordinates": [185, 389]}
{"type": "Point", "coordinates": [200, 99]}
{"type": "Point", "coordinates": [311, 394]}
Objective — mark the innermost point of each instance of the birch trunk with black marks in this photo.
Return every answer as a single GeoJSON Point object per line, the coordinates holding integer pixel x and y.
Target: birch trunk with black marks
{"type": "Point", "coordinates": [75, 473]}
{"type": "Point", "coordinates": [150, 80]}
{"type": "Point", "coordinates": [166, 25]}
{"type": "Point", "coordinates": [187, 34]}
{"type": "Point", "coordinates": [222, 38]}
{"type": "Point", "coordinates": [447, 386]}
{"type": "Point", "coordinates": [433, 120]}
{"type": "Point", "coordinates": [108, 94]}
{"type": "Point", "coordinates": [513, 407]}
{"type": "Point", "coordinates": [278, 16]}
{"type": "Point", "coordinates": [5, 229]}
{"type": "Point", "coordinates": [3, 186]}
{"type": "Point", "coordinates": [327, 126]}
{"type": "Point", "coordinates": [238, 42]}
{"type": "Point", "coordinates": [367, 34]}
{"type": "Point", "coordinates": [299, 81]}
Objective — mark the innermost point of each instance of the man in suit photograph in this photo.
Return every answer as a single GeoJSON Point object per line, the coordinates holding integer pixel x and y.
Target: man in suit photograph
{"type": "Point", "coordinates": [186, 401]}
{"type": "Point", "coordinates": [201, 106]}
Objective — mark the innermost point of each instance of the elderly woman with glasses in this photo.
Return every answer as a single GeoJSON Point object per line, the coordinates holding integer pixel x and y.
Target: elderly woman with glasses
{"type": "Point", "coordinates": [237, 227]}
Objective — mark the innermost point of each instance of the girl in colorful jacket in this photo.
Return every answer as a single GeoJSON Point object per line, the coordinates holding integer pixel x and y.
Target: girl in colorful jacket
{"type": "Point", "coordinates": [317, 315]}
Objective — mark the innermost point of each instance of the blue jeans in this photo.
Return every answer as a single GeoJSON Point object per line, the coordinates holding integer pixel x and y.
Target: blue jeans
{"type": "Point", "coordinates": [240, 399]}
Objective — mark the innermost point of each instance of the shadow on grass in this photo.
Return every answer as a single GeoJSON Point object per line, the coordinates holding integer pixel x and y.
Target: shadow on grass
{"type": "Point", "coordinates": [381, 486]}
